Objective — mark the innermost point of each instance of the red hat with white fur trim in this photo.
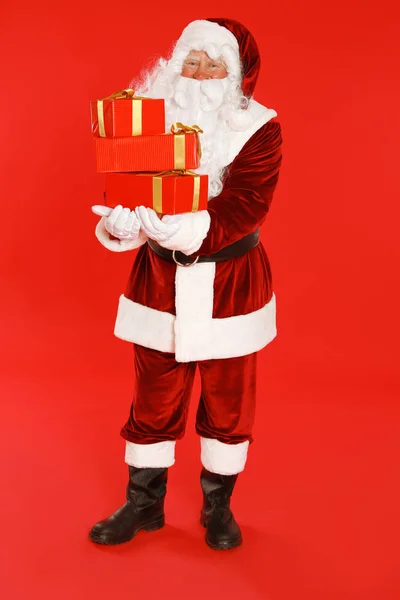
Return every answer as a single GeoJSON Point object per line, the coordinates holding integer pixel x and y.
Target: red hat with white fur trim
{"type": "Point", "coordinates": [226, 39]}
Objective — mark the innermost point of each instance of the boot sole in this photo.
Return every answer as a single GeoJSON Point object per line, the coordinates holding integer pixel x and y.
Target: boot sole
{"type": "Point", "coordinates": [222, 545]}
{"type": "Point", "coordinates": [152, 526]}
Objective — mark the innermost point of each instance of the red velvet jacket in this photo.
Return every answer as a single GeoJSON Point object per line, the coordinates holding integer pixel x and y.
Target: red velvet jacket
{"type": "Point", "coordinates": [244, 284]}
{"type": "Point", "coordinates": [212, 310]}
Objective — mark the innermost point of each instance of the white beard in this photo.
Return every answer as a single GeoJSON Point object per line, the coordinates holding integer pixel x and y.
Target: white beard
{"type": "Point", "coordinates": [212, 104]}
{"type": "Point", "coordinates": [200, 103]}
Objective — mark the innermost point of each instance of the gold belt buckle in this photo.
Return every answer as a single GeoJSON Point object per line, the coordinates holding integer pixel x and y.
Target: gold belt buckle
{"type": "Point", "coordinates": [187, 264]}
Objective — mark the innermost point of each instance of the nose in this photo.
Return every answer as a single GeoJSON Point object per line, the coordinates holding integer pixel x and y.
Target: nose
{"type": "Point", "coordinates": [200, 74]}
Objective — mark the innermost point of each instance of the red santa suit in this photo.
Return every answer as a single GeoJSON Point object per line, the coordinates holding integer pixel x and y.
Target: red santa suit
{"type": "Point", "coordinates": [214, 315]}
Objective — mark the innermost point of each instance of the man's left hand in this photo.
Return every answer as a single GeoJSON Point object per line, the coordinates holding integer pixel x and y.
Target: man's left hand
{"type": "Point", "coordinates": [184, 232]}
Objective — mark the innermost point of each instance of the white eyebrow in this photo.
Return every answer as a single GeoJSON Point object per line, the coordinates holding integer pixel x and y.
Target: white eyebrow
{"type": "Point", "coordinates": [192, 58]}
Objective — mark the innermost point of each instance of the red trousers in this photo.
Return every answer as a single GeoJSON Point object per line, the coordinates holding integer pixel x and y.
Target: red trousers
{"type": "Point", "coordinates": [162, 394]}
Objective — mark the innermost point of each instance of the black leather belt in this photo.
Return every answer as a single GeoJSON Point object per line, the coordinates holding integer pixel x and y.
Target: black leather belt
{"type": "Point", "coordinates": [239, 248]}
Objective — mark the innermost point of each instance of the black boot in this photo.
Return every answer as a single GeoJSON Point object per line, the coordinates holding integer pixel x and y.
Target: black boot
{"type": "Point", "coordinates": [144, 508]}
{"type": "Point", "coordinates": [222, 530]}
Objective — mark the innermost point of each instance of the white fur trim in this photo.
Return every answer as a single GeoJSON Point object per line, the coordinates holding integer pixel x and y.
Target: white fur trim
{"type": "Point", "coordinates": [144, 456]}
{"type": "Point", "coordinates": [194, 301]}
{"type": "Point", "coordinates": [145, 326]}
{"type": "Point", "coordinates": [224, 459]}
{"type": "Point", "coordinates": [117, 245]}
{"type": "Point", "coordinates": [198, 335]}
{"type": "Point", "coordinates": [260, 115]}
{"type": "Point", "coordinates": [190, 341]}
{"type": "Point", "coordinates": [202, 34]}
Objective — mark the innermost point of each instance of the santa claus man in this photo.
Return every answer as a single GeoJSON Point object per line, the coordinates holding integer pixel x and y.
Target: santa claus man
{"type": "Point", "coordinates": [200, 291]}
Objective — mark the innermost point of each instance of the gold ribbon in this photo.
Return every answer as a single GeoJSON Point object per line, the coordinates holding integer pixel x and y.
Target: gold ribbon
{"type": "Point", "coordinates": [136, 117]}
{"type": "Point", "coordinates": [157, 187]}
{"type": "Point", "coordinates": [180, 130]}
{"type": "Point", "coordinates": [196, 193]}
{"type": "Point", "coordinates": [121, 94]}
{"type": "Point", "coordinates": [127, 94]}
{"type": "Point", "coordinates": [157, 194]}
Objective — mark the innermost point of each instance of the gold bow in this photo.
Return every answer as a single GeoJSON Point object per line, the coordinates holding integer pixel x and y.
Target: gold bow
{"type": "Point", "coordinates": [180, 130]}
{"type": "Point", "coordinates": [127, 94]}
{"type": "Point", "coordinates": [168, 173]}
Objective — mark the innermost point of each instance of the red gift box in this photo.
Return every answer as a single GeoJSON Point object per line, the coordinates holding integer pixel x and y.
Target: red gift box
{"type": "Point", "coordinates": [167, 193]}
{"type": "Point", "coordinates": [124, 115]}
{"type": "Point", "coordinates": [177, 151]}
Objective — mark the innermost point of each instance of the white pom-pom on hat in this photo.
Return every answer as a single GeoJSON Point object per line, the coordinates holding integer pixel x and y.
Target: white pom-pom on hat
{"type": "Point", "coordinates": [240, 120]}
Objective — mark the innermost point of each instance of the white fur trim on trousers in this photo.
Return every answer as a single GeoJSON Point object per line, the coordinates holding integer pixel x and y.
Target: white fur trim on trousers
{"type": "Point", "coordinates": [158, 455]}
{"type": "Point", "coordinates": [224, 459]}
{"type": "Point", "coordinates": [216, 457]}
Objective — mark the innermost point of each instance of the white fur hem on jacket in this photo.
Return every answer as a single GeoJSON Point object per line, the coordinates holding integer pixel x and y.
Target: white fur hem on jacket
{"type": "Point", "coordinates": [237, 139]}
{"type": "Point", "coordinates": [146, 456]}
{"type": "Point", "coordinates": [193, 334]}
{"type": "Point", "coordinates": [224, 459]}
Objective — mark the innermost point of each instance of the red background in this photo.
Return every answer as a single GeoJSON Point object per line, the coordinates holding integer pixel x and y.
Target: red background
{"type": "Point", "coordinates": [318, 502]}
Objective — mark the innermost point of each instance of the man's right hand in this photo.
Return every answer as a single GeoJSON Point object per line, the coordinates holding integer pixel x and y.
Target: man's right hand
{"type": "Point", "coordinates": [120, 222]}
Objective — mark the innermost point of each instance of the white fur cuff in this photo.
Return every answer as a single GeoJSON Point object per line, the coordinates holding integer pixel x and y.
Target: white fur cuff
{"type": "Point", "coordinates": [117, 245]}
{"type": "Point", "coordinates": [144, 456]}
{"type": "Point", "coordinates": [224, 459]}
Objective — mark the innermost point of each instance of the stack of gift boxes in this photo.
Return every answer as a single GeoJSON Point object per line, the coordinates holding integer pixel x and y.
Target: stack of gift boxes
{"type": "Point", "coordinates": [145, 166]}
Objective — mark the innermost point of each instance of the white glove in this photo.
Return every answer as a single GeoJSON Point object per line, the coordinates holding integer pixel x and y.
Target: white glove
{"type": "Point", "coordinates": [121, 223]}
{"type": "Point", "coordinates": [184, 232]}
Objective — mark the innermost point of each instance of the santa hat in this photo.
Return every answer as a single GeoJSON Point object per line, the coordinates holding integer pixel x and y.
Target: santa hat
{"type": "Point", "coordinates": [231, 41]}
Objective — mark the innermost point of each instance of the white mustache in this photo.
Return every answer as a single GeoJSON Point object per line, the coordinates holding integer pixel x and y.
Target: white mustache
{"type": "Point", "coordinates": [208, 94]}
{"type": "Point", "coordinates": [214, 91]}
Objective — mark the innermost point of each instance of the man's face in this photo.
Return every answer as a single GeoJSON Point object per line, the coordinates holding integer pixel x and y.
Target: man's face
{"type": "Point", "coordinates": [198, 65]}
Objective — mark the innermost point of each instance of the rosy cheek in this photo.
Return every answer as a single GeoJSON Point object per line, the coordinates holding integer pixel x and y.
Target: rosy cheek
{"type": "Point", "coordinates": [187, 72]}
{"type": "Point", "coordinates": [220, 75]}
